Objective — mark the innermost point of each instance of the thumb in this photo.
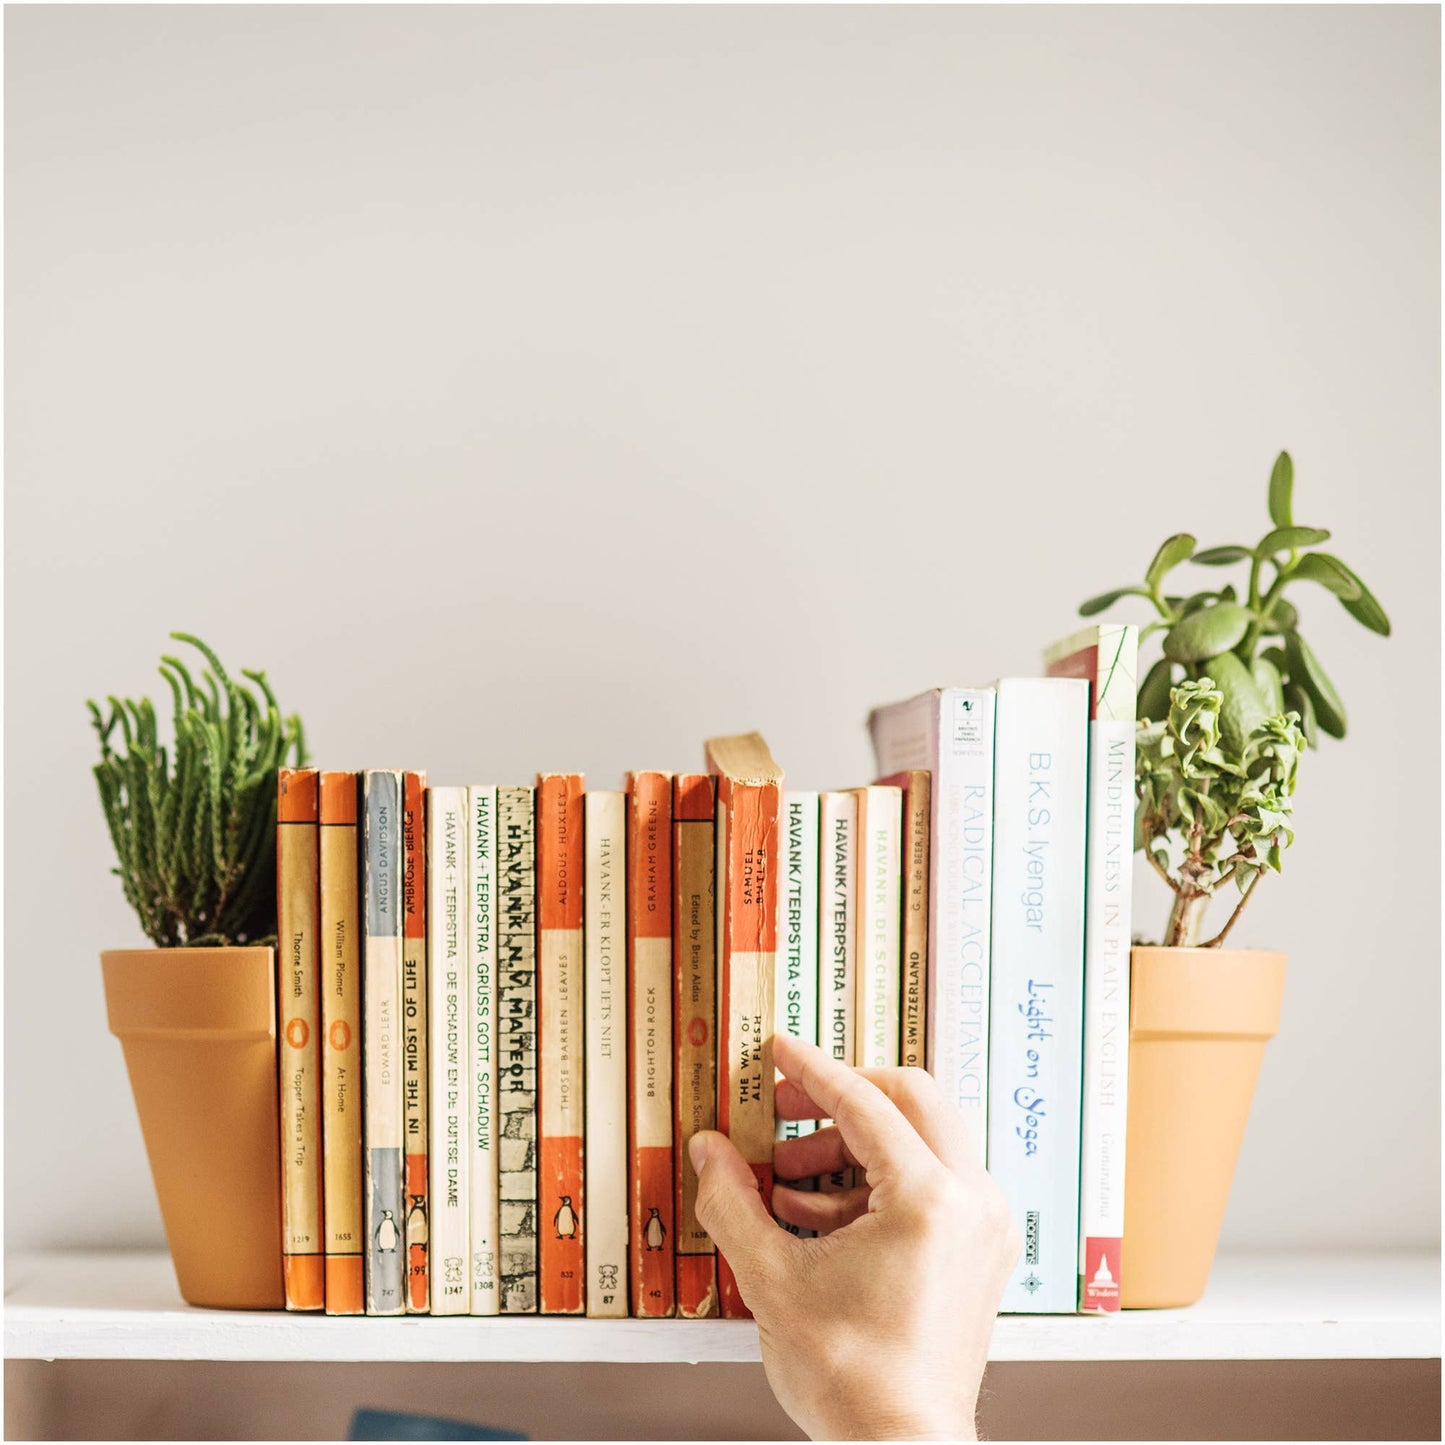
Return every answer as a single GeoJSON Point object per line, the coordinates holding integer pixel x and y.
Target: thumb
{"type": "Point", "coordinates": [730, 1208]}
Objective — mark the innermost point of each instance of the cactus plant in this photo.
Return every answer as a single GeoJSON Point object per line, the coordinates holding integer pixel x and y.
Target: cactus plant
{"type": "Point", "coordinates": [1226, 710]}
{"type": "Point", "coordinates": [195, 833]}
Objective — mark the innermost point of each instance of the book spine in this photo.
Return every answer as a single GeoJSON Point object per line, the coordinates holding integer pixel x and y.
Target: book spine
{"type": "Point", "coordinates": [341, 1046]}
{"type": "Point", "coordinates": [381, 1059]}
{"type": "Point", "coordinates": [481, 1012]}
{"type": "Point", "coordinates": [795, 1009]}
{"type": "Point", "coordinates": [414, 1036]}
{"type": "Point", "coordinates": [298, 954]}
{"type": "Point", "coordinates": [517, 1050]}
{"type": "Point", "coordinates": [1037, 992]}
{"type": "Point", "coordinates": [562, 1214]}
{"type": "Point", "coordinates": [447, 883]}
{"type": "Point", "coordinates": [605, 1067]}
{"type": "Point", "coordinates": [880, 884]}
{"type": "Point", "coordinates": [1106, 658]}
{"type": "Point", "coordinates": [748, 865]}
{"type": "Point", "coordinates": [913, 1052]}
{"type": "Point", "coordinates": [652, 1222]}
{"type": "Point", "coordinates": [837, 935]}
{"type": "Point", "coordinates": [694, 951]}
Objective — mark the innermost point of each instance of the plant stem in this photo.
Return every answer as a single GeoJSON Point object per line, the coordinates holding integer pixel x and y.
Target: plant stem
{"type": "Point", "coordinates": [1262, 610]}
{"type": "Point", "coordinates": [1160, 869]}
{"type": "Point", "coordinates": [1186, 920]}
{"type": "Point", "coordinates": [1238, 909]}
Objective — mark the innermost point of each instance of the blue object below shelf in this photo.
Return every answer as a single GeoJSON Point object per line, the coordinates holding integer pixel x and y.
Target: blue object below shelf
{"type": "Point", "coordinates": [394, 1425]}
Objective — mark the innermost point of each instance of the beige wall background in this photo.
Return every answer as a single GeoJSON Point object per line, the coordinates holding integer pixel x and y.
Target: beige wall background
{"type": "Point", "coordinates": [448, 362]}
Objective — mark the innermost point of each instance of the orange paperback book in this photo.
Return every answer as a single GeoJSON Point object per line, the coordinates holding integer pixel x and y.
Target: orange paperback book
{"type": "Point", "coordinates": [694, 950]}
{"type": "Point", "coordinates": [560, 864]}
{"type": "Point", "coordinates": [749, 802]}
{"type": "Point", "coordinates": [341, 1045]}
{"type": "Point", "coordinates": [651, 1222]}
{"type": "Point", "coordinates": [298, 957]}
{"type": "Point", "coordinates": [414, 1038]}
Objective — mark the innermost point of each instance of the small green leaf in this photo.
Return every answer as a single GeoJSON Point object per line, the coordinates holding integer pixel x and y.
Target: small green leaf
{"type": "Point", "coordinates": [1296, 698]}
{"type": "Point", "coordinates": [1267, 679]}
{"type": "Point", "coordinates": [1364, 608]}
{"type": "Point", "coordinates": [1281, 491]}
{"type": "Point", "coordinates": [1154, 692]}
{"type": "Point", "coordinates": [1108, 599]}
{"type": "Point", "coordinates": [1286, 539]}
{"type": "Point", "coordinates": [1222, 556]}
{"type": "Point", "coordinates": [1205, 634]}
{"type": "Point", "coordinates": [1171, 553]}
{"type": "Point", "coordinates": [1305, 669]}
{"type": "Point", "coordinates": [1244, 705]}
{"type": "Point", "coordinates": [1282, 616]}
{"type": "Point", "coordinates": [1329, 572]}
{"type": "Point", "coordinates": [1276, 655]}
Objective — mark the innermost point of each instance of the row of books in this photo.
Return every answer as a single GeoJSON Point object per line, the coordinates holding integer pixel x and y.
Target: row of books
{"type": "Point", "coordinates": [505, 1010]}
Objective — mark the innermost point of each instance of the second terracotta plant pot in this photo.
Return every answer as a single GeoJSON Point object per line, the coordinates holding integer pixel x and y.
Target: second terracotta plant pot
{"type": "Point", "coordinates": [1199, 1021]}
{"type": "Point", "coordinates": [198, 1027]}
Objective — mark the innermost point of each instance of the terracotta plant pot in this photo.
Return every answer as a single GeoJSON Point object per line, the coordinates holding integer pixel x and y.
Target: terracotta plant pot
{"type": "Point", "coordinates": [1199, 1021]}
{"type": "Point", "coordinates": [198, 1027]}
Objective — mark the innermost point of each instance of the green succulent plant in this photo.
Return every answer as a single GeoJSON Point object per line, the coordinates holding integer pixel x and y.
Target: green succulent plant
{"type": "Point", "coordinates": [1227, 708]}
{"type": "Point", "coordinates": [195, 832]}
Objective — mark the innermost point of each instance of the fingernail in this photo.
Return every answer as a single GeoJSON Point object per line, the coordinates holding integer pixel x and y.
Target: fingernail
{"type": "Point", "coordinates": [697, 1151]}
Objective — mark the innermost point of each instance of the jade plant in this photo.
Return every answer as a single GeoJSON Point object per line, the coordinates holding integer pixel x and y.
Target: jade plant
{"type": "Point", "coordinates": [194, 830]}
{"type": "Point", "coordinates": [1227, 709]}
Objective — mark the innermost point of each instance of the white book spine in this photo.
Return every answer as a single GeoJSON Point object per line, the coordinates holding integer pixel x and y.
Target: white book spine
{"type": "Point", "coordinates": [1038, 981]}
{"type": "Point", "coordinates": [447, 888]}
{"type": "Point", "coordinates": [604, 895]}
{"type": "Point", "coordinates": [880, 925]}
{"type": "Point", "coordinates": [837, 937]}
{"type": "Point", "coordinates": [950, 732]}
{"type": "Point", "coordinates": [482, 1207]}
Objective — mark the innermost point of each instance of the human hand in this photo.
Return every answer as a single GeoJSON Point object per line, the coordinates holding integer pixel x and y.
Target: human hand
{"type": "Point", "coordinates": [878, 1328]}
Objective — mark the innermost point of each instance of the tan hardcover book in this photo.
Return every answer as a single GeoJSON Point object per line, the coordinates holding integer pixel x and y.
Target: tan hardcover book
{"type": "Point", "coordinates": [749, 857]}
{"type": "Point", "coordinates": [561, 863]}
{"type": "Point", "coordinates": [694, 952]}
{"type": "Point", "coordinates": [298, 955]}
{"type": "Point", "coordinates": [341, 1046]}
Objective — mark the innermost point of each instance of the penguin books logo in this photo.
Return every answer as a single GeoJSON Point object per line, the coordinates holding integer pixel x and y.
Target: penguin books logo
{"type": "Point", "coordinates": [607, 1276]}
{"type": "Point", "coordinates": [387, 1234]}
{"type": "Point", "coordinates": [565, 1219]}
{"type": "Point", "coordinates": [339, 1036]}
{"type": "Point", "coordinates": [297, 1033]}
{"type": "Point", "coordinates": [654, 1231]}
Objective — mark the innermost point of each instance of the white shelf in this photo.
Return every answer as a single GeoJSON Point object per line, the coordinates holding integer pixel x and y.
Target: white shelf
{"type": "Point", "coordinates": [124, 1306]}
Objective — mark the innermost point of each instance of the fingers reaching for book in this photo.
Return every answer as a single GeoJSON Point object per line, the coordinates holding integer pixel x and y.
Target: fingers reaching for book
{"type": "Point", "coordinates": [822, 1152]}
{"type": "Point", "coordinates": [822, 1213]}
{"type": "Point", "coordinates": [730, 1208]}
{"type": "Point", "coordinates": [880, 1137]}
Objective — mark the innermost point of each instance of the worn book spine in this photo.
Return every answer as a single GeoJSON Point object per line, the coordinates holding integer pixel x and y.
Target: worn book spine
{"type": "Point", "coordinates": [1038, 983]}
{"type": "Point", "coordinates": [652, 1221]}
{"type": "Point", "coordinates": [796, 1007]}
{"type": "Point", "coordinates": [605, 1071]}
{"type": "Point", "coordinates": [880, 887]}
{"type": "Point", "coordinates": [837, 940]}
{"type": "Point", "coordinates": [694, 1015]}
{"type": "Point", "coordinates": [517, 1050]}
{"type": "Point", "coordinates": [748, 866]}
{"type": "Point", "coordinates": [341, 1045]}
{"type": "Point", "coordinates": [414, 1035]}
{"type": "Point", "coordinates": [950, 732]}
{"type": "Point", "coordinates": [913, 1052]}
{"type": "Point", "coordinates": [381, 1056]}
{"type": "Point", "coordinates": [562, 1213]}
{"type": "Point", "coordinates": [481, 1014]}
{"type": "Point", "coordinates": [298, 955]}
{"type": "Point", "coordinates": [1106, 657]}
{"type": "Point", "coordinates": [447, 888]}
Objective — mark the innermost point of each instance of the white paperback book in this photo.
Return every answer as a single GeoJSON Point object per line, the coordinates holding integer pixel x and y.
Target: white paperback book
{"type": "Point", "coordinates": [481, 943]}
{"type": "Point", "coordinates": [1037, 991]}
{"type": "Point", "coordinates": [880, 927]}
{"type": "Point", "coordinates": [448, 851]}
{"type": "Point", "coordinates": [795, 1010]}
{"type": "Point", "coordinates": [837, 939]}
{"type": "Point", "coordinates": [604, 895]}
{"type": "Point", "coordinates": [949, 732]}
{"type": "Point", "coordinates": [1106, 657]}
